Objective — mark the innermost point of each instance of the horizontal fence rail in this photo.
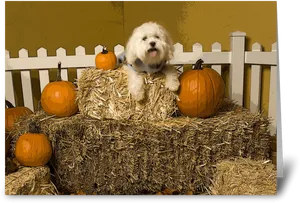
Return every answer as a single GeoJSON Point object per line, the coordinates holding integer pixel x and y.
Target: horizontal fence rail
{"type": "Point", "coordinates": [237, 57]}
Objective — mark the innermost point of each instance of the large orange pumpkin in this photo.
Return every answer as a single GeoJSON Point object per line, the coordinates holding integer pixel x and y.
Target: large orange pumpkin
{"type": "Point", "coordinates": [201, 93]}
{"type": "Point", "coordinates": [106, 60]}
{"type": "Point", "coordinates": [58, 98]}
{"type": "Point", "coordinates": [14, 113]}
{"type": "Point", "coordinates": [33, 149]}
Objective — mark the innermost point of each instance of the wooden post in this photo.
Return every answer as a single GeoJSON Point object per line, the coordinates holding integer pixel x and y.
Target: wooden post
{"type": "Point", "coordinates": [255, 94]}
{"type": "Point", "coordinates": [236, 75]}
{"type": "Point", "coordinates": [272, 95]}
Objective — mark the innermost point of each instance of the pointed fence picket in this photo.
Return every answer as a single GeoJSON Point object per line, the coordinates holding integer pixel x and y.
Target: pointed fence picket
{"type": "Point", "coordinates": [255, 94]}
{"type": "Point", "coordinates": [43, 74]}
{"type": "Point", "coordinates": [216, 47]}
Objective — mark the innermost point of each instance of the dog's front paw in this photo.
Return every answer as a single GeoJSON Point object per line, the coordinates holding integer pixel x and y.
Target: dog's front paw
{"type": "Point", "coordinates": [173, 84]}
{"type": "Point", "coordinates": [138, 95]}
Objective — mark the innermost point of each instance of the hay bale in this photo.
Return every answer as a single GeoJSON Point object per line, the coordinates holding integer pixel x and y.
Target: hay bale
{"type": "Point", "coordinates": [245, 177]}
{"type": "Point", "coordinates": [104, 94]}
{"type": "Point", "coordinates": [30, 181]}
{"type": "Point", "coordinates": [131, 156]}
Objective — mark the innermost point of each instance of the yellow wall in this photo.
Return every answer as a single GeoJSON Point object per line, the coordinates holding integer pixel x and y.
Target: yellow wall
{"type": "Point", "coordinates": [69, 24]}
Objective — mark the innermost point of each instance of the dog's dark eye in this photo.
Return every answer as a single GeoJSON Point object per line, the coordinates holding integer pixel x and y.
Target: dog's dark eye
{"type": "Point", "coordinates": [144, 38]}
{"type": "Point", "coordinates": [157, 37]}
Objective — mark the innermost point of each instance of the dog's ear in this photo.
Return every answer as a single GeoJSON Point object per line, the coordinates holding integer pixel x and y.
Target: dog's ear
{"type": "Point", "coordinates": [130, 51]}
{"type": "Point", "coordinates": [170, 51]}
{"type": "Point", "coordinates": [170, 45]}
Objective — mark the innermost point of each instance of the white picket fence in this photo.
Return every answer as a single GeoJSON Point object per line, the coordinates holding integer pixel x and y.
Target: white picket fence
{"type": "Point", "coordinates": [236, 58]}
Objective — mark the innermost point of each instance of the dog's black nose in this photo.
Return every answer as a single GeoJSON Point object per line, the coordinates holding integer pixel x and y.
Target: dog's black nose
{"type": "Point", "coordinates": [152, 44]}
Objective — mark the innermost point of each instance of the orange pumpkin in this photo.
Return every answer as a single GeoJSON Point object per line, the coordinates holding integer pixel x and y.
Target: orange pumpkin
{"type": "Point", "coordinates": [58, 98]}
{"type": "Point", "coordinates": [33, 149]}
{"type": "Point", "coordinates": [106, 60]}
{"type": "Point", "coordinates": [201, 93]}
{"type": "Point", "coordinates": [14, 113]}
{"type": "Point", "coordinates": [168, 191]}
{"type": "Point", "coordinates": [189, 193]}
{"type": "Point", "coordinates": [78, 193]}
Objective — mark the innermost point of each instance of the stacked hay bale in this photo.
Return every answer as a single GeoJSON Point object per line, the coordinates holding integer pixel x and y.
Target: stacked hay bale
{"type": "Point", "coordinates": [104, 95]}
{"type": "Point", "coordinates": [30, 181]}
{"type": "Point", "coordinates": [119, 146]}
{"type": "Point", "coordinates": [245, 177]}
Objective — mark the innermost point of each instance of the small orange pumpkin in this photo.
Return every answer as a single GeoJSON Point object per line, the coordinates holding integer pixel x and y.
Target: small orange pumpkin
{"type": "Point", "coordinates": [33, 148]}
{"type": "Point", "coordinates": [189, 193]}
{"type": "Point", "coordinates": [14, 113]}
{"type": "Point", "coordinates": [202, 91]}
{"type": "Point", "coordinates": [59, 98]}
{"type": "Point", "coordinates": [106, 60]}
{"type": "Point", "coordinates": [168, 191]}
{"type": "Point", "coordinates": [78, 193]}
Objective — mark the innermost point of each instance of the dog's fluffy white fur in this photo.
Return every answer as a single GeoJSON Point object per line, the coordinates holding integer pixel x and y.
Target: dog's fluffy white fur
{"type": "Point", "coordinates": [147, 50]}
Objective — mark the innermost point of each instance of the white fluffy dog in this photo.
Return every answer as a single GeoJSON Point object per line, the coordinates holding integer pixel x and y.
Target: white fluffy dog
{"type": "Point", "coordinates": [147, 50]}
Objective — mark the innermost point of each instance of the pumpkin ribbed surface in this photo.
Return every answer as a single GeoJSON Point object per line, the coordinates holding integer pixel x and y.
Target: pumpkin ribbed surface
{"type": "Point", "coordinates": [106, 60]}
{"type": "Point", "coordinates": [201, 92]}
{"type": "Point", "coordinates": [12, 114]}
{"type": "Point", "coordinates": [58, 98]}
{"type": "Point", "coordinates": [33, 149]}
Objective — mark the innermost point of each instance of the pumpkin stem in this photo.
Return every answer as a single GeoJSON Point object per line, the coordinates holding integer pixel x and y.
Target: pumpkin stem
{"type": "Point", "coordinates": [34, 128]}
{"type": "Point", "coordinates": [198, 65]}
{"type": "Point", "coordinates": [5, 103]}
{"type": "Point", "coordinates": [104, 50]}
{"type": "Point", "coordinates": [58, 78]}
